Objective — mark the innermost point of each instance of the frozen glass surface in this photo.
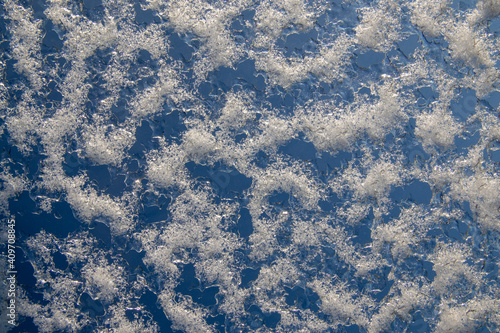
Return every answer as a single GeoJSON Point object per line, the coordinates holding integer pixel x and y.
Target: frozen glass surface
{"type": "Point", "coordinates": [239, 166]}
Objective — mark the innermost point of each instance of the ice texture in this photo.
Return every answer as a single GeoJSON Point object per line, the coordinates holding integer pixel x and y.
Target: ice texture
{"type": "Point", "coordinates": [244, 165]}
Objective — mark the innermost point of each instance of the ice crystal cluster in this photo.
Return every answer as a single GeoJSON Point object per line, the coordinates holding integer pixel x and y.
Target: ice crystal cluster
{"type": "Point", "coordinates": [252, 166]}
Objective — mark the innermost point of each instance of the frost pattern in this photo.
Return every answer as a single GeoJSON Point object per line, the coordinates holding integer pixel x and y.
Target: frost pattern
{"type": "Point", "coordinates": [268, 166]}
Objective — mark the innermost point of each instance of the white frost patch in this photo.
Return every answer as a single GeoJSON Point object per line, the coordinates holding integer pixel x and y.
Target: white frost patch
{"type": "Point", "coordinates": [84, 37]}
{"type": "Point", "coordinates": [484, 81]}
{"type": "Point", "coordinates": [62, 314]}
{"type": "Point", "coordinates": [468, 41]}
{"type": "Point", "coordinates": [328, 65]}
{"type": "Point", "coordinates": [271, 278]}
{"type": "Point", "coordinates": [370, 184]}
{"type": "Point", "coordinates": [26, 36]}
{"type": "Point", "coordinates": [10, 187]}
{"type": "Point", "coordinates": [120, 323]}
{"type": "Point", "coordinates": [107, 144]}
{"type": "Point", "coordinates": [379, 28]}
{"type": "Point", "coordinates": [167, 88]}
{"type": "Point", "coordinates": [341, 303]}
{"type": "Point", "coordinates": [264, 237]}
{"type": "Point", "coordinates": [450, 267]}
{"type": "Point", "coordinates": [236, 112]}
{"type": "Point", "coordinates": [303, 321]}
{"type": "Point", "coordinates": [274, 131]}
{"type": "Point", "coordinates": [336, 127]}
{"type": "Point", "coordinates": [196, 223]}
{"type": "Point", "coordinates": [104, 280]}
{"type": "Point", "coordinates": [403, 234]}
{"type": "Point", "coordinates": [470, 45]}
{"type": "Point", "coordinates": [185, 316]}
{"type": "Point", "coordinates": [24, 122]}
{"type": "Point", "coordinates": [158, 255]}
{"type": "Point", "coordinates": [61, 289]}
{"type": "Point", "coordinates": [377, 181]}
{"type": "Point", "coordinates": [307, 233]}
{"type": "Point", "coordinates": [152, 39]}
{"type": "Point", "coordinates": [408, 296]}
{"type": "Point", "coordinates": [346, 251]}
{"type": "Point", "coordinates": [89, 204]}
{"type": "Point", "coordinates": [482, 190]}
{"type": "Point", "coordinates": [129, 40]}
{"type": "Point", "coordinates": [282, 178]}
{"type": "Point", "coordinates": [487, 9]}
{"type": "Point", "coordinates": [198, 143]}
{"type": "Point", "coordinates": [166, 167]}
{"type": "Point", "coordinates": [429, 16]}
{"type": "Point", "coordinates": [209, 22]}
{"type": "Point", "coordinates": [272, 17]}
{"type": "Point", "coordinates": [466, 317]}
{"type": "Point", "coordinates": [437, 128]}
